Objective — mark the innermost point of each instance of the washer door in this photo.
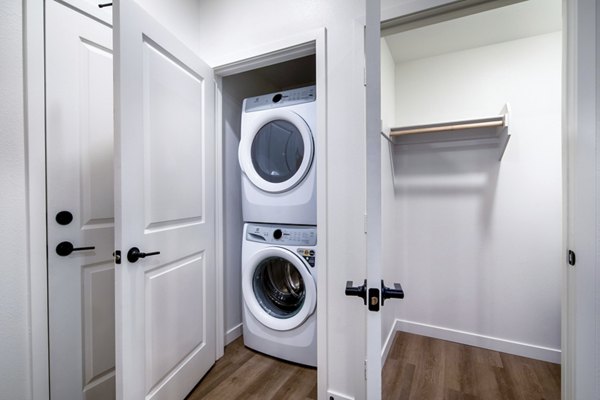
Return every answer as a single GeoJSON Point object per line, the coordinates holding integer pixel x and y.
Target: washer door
{"type": "Point", "coordinates": [278, 289]}
{"type": "Point", "coordinates": [277, 151]}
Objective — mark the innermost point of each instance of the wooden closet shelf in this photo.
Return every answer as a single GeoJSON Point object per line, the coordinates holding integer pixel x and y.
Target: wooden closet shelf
{"type": "Point", "coordinates": [494, 128]}
{"type": "Point", "coordinates": [449, 126]}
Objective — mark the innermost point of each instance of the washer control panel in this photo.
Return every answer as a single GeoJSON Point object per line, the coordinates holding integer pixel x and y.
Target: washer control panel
{"type": "Point", "coordinates": [308, 254]}
{"type": "Point", "coordinates": [280, 99]}
{"type": "Point", "coordinates": [286, 235]}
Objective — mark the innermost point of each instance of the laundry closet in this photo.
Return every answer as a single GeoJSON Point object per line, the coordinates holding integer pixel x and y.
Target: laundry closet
{"type": "Point", "coordinates": [281, 77]}
{"type": "Point", "coordinates": [472, 187]}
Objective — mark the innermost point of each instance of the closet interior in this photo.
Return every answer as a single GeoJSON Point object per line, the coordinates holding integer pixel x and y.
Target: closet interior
{"type": "Point", "coordinates": [291, 74]}
{"type": "Point", "coordinates": [472, 179]}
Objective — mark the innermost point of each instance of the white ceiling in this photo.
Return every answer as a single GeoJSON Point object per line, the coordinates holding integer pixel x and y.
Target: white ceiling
{"type": "Point", "coordinates": [529, 18]}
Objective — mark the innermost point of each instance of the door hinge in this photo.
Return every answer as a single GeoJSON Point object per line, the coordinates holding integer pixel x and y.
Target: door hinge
{"type": "Point", "coordinates": [365, 364]}
{"type": "Point", "coordinates": [571, 258]}
{"type": "Point", "coordinates": [366, 221]}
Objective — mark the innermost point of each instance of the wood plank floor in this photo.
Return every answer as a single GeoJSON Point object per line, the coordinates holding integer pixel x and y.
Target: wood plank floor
{"type": "Point", "coordinates": [423, 368]}
{"type": "Point", "coordinates": [417, 368]}
{"type": "Point", "coordinates": [245, 374]}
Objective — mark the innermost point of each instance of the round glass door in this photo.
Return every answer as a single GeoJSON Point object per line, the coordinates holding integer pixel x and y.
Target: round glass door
{"type": "Point", "coordinates": [278, 288]}
{"type": "Point", "coordinates": [276, 151]}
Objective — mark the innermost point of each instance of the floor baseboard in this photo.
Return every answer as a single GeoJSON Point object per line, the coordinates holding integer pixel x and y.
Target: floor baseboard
{"type": "Point", "coordinates": [472, 339]}
{"type": "Point", "coordinates": [233, 333]}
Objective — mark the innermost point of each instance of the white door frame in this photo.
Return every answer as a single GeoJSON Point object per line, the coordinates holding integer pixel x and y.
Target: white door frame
{"type": "Point", "coordinates": [306, 43]}
{"type": "Point", "coordinates": [581, 283]}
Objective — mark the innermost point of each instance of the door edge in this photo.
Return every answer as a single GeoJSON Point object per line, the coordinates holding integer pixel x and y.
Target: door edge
{"type": "Point", "coordinates": [35, 153]}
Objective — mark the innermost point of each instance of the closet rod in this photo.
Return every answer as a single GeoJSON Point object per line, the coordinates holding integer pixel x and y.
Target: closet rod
{"type": "Point", "coordinates": [442, 128]}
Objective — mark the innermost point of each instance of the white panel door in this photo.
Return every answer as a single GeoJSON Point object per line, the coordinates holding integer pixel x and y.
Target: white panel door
{"type": "Point", "coordinates": [79, 113]}
{"type": "Point", "coordinates": [165, 187]}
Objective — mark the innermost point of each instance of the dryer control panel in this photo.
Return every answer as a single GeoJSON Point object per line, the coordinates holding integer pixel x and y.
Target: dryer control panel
{"type": "Point", "coordinates": [280, 99]}
{"type": "Point", "coordinates": [285, 235]}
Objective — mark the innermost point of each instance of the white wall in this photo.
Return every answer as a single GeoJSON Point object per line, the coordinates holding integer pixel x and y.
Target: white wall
{"type": "Point", "coordinates": [479, 244]}
{"type": "Point", "coordinates": [15, 373]}
{"type": "Point", "coordinates": [232, 218]}
{"type": "Point", "coordinates": [388, 86]}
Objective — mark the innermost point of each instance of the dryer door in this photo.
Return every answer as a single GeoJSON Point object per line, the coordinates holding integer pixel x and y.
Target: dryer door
{"type": "Point", "coordinates": [278, 153]}
{"type": "Point", "coordinates": [278, 288]}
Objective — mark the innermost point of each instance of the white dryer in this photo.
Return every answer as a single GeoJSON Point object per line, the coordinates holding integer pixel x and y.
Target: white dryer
{"type": "Point", "coordinates": [279, 291]}
{"type": "Point", "coordinates": [277, 157]}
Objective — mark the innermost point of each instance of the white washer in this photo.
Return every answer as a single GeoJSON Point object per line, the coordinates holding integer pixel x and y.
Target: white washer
{"type": "Point", "coordinates": [279, 291]}
{"type": "Point", "coordinates": [277, 157]}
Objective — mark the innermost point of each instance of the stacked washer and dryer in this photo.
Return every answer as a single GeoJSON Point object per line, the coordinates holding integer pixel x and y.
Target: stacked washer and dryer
{"type": "Point", "coordinates": [279, 288]}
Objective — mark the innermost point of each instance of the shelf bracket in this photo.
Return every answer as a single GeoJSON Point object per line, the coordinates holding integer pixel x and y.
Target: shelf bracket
{"type": "Point", "coordinates": [386, 137]}
{"type": "Point", "coordinates": [503, 135]}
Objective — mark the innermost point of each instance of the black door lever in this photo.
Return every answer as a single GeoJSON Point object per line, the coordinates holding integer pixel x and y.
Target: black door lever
{"type": "Point", "coordinates": [358, 291]}
{"type": "Point", "coordinates": [63, 249]}
{"type": "Point", "coordinates": [389, 293]}
{"type": "Point", "coordinates": [135, 254]}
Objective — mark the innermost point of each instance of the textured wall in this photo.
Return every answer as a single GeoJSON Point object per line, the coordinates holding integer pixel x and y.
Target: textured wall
{"type": "Point", "coordinates": [15, 374]}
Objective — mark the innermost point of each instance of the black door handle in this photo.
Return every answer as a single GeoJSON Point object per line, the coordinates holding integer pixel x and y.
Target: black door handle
{"type": "Point", "coordinates": [63, 249]}
{"type": "Point", "coordinates": [135, 254]}
{"type": "Point", "coordinates": [358, 291]}
{"type": "Point", "coordinates": [389, 293]}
